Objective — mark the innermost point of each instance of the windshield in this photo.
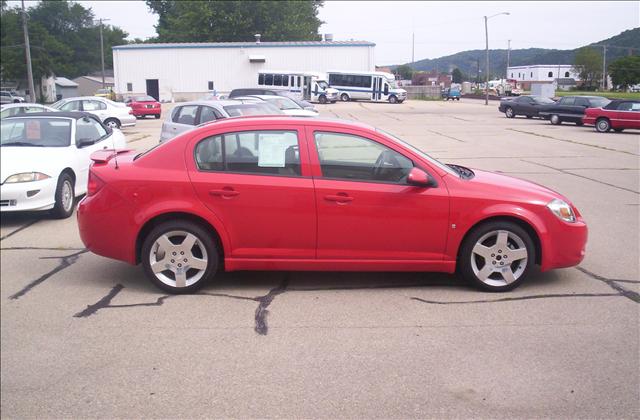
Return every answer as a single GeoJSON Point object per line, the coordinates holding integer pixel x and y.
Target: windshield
{"type": "Point", "coordinates": [392, 83]}
{"type": "Point", "coordinates": [283, 103]}
{"type": "Point", "coordinates": [35, 132]}
{"type": "Point", "coordinates": [420, 153]}
{"type": "Point", "coordinates": [58, 104]}
{"type": "Point", "coordinates": [143, 99]}
{"type": "Point", "coordinates": [322, 84]}
{"type": "Point", "coordinates": [543, 100]}
{"type": "Point", "coordinates": [251, 109]}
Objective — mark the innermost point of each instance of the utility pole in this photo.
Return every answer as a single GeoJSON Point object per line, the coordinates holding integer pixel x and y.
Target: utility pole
{"type": "Point", "coordinates": [413, 48]}
{"type": "Point", "coordinates": [102, 51]}
{"type": "Point", "coordinates": [508, 57]}
{"type": "Point", "coordinates": [486, 76]}
{"type": "Point", "coordinates": [32, 92]}
{"type": "Point", "coordinates": [604, 67]}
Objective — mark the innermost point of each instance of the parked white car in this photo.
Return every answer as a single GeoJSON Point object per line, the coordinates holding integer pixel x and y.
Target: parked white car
{"type": "Point", "coordinates": [284, 104]}
{"type": "Point", "coordinates": [45, 158]}
{"type": "Point", "coordinates": [113, 114]}
{"type": "Point", "coordinates": [9, 110]}
{"type": "Point", "coordinates": [7, 97]}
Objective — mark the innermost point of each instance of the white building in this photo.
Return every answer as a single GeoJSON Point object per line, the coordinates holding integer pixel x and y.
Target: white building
{"type": "Point", "coordinates": [542, 73]}
{"type": "Point", "coordinates": [186, 71]}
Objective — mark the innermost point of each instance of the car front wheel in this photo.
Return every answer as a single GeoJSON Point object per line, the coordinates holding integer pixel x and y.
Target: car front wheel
{"type": "Point", "coordinates": [179, 256]}
{"type": "Point", "coordinates": [393, 99]}
{"type": "Point", "coordinates": [555, 119]}
{"type": "Point", "coordinates": [64, 198]}
{"type": "Point", "coordinates": [603, 125]}
{"type": "Point", "coordinates": [322, 99]}
{"type": "Point", "coordinates": [509, 113]}
{"type": "Point", "coordinates": [496, 256]}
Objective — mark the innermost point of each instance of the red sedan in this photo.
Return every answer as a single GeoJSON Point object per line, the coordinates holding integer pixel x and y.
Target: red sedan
{"type": "Point", "coordinates": [144, 105]}
{"type": "Point", "coordinates": [617, 115]}
{"type": "Point", "coordinates": [287, 193]}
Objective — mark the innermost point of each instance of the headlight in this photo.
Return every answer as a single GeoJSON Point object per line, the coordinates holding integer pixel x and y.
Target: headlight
{"type": "Point", "coordinates": [562, 210]}
{"type": "Point", "coordinates": [26, 177]}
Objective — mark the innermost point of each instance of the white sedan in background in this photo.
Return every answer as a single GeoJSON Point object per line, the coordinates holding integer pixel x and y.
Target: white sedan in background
{"type": "Point", "coordinates": [45, 158]}
{"type": "Point", "coordinates": [112, 114]}
{"type": "Point", "coordinates": [9, 110]}
{"type": "Point", "coordinates": [284, 104]}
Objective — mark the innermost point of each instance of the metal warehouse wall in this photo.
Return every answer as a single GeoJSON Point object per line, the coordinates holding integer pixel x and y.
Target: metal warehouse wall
{"type": "Point", "coordinates": [184, 72]}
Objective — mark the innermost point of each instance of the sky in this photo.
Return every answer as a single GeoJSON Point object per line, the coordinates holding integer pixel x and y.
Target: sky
{"type": "Point", "coordinates": [440, 28]}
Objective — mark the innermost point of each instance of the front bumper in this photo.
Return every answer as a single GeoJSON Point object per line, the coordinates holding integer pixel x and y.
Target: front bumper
{"type": "Point", "coordinates": [28, 196]}
{"type": "Point", "coordinates": [565, 244]}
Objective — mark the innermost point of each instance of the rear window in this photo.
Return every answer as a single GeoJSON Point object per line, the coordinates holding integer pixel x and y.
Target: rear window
{"type": "Point", "coordinates": [36, 132]}
{"type": "Point", "coordinates": [143, 99]}
{"type": "Point", "coordinates": [250, 109]}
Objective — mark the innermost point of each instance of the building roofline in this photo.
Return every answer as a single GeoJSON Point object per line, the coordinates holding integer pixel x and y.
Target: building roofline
{"type": "Point", "coordinates": [540, 65]}
{"type": "Point", "coordinates": [186, 45]}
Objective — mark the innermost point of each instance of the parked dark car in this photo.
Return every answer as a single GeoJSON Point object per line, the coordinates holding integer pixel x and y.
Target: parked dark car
{"type": "Point", "coordinates": [235, 93]}
{"type": "Point", "coordinates": [618, 115]}
{"type": "Point", "coordinates": [571, 108]}
{"type": "Point", "coordinates": [526, 105]}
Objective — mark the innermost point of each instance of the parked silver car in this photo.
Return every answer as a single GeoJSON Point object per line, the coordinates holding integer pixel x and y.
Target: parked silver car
{"type": "Point", "coordinates": [187, 115]}
{"type": "Point", "coordinates": [7, 97]}
{"type": "Point", "coordinates": [112, 114]}
{"type": "Point", "coordinates": [9, 110]}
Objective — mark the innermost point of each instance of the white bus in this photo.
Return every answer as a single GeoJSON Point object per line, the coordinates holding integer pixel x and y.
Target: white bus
{"type": "Point", "coordinates": [373, 86]}
{"type": "Point", "coordinates": [309, 86]}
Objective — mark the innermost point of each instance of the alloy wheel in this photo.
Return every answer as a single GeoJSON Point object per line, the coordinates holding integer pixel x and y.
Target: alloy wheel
{"type": "Point", "coordinates": [67, 196]}
{"type": "Point", "coordinates": [499, 258]}
{"type": "Point", "coordinates": [178, 258]}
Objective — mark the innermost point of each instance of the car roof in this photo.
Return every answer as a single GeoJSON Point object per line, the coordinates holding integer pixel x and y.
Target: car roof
{"type": "Point", "coordinates": [211, 103]}
{"type": "Point", "coordinates": [76, 115]}
{"type": "Point", "coordinates": [20, 104]}
{"type": "Point", "coordinates": [288, 119]}
{"type": "Point", "coordinates": [77, 98]}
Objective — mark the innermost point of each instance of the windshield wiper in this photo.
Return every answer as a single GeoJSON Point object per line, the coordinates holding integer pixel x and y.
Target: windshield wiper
{"type": "Point", "coordinates": [21, 143]}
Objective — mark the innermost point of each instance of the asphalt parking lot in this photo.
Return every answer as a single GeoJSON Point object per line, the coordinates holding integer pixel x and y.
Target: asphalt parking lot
{"type": "Point", "coordinates": [85, 336]}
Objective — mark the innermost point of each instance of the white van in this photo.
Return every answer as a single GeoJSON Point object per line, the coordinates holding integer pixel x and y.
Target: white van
{"type": "Point", "coordinates": [374, 86]}
{"type": "Point", "coordinates": [308, 86]}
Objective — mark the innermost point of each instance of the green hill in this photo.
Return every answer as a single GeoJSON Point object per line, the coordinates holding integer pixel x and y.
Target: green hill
{"type": "Point", "coordinates": [468, 61]}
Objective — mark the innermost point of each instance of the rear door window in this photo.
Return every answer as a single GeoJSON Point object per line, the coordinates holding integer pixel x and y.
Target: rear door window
{"type": "Point", "coordinates": [186, 115]}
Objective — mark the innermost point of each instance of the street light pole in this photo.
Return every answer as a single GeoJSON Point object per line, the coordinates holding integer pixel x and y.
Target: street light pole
{"type": "Point", "coordinates": [486, 34]}
{"type": "Point", "coordinates": [32, 91]}
{"type": "Point", "coordinates": [102, 51]}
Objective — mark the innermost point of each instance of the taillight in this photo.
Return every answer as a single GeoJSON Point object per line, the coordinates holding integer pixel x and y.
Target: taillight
{"type": "Point", "coordinates": [94, 185]}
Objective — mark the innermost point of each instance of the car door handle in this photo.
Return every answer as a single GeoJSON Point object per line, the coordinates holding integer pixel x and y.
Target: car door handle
{"type": "Point", "coordinates": [339, 198]}
{"type": "Point", "coordinates": [226, 192]}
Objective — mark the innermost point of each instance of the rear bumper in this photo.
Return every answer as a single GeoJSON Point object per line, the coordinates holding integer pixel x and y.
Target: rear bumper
{"type": "Point", "coordinates": [140, 112]}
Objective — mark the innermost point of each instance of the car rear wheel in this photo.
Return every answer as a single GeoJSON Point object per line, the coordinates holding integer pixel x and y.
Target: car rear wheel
{"type": "Point", "coordinates": [603, 125]}
{"type": "Point", "coordinates": [555, 119]}
{"type": "Point", "coordinates": [179, 256]}
{"type": "Point", "coordinates": [509, 113]}
{"type": "Point", "coordinates": [344, 97]}
{"type": "Point", "coordinates": [112, 123]}
{"type": "Point", "coordinates": [64, 198]}
{"type": "Point", "coordinates": [497, 256]}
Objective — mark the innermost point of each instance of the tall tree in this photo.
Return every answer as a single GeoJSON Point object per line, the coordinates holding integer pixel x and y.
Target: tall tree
{"type": "Point", "coordinates": [456, 76]}
{"type": "Point", "coordinates": [625, 71]}
{"type": "Point", "coordinates": [588, 64]}
{"type": "Point", "coordinates": [405, 71]}
{"type": "Point", "coordinates": [223, 21]}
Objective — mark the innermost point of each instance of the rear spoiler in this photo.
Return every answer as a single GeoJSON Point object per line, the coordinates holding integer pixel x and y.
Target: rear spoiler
{"type": "Point", "coordinates": [104, 156]}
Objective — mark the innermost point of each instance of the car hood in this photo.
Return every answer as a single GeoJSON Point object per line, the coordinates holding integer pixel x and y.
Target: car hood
{"type": "Point", "coordinates": [514, 189]}
{"type": "Point", "coordinates": [15, 160]}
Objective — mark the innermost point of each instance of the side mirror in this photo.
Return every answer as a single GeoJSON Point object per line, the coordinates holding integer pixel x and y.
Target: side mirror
{"type": "Point", "coordinates": [85, 142]}
{"type": "Point", "coordinates": [419, 178]}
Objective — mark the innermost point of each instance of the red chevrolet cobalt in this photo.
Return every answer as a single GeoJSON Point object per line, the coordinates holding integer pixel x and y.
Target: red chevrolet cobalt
{"type": "Point", "coordinates": [144, 105]}
{"type": "Point", "coordinates": [287, 193]}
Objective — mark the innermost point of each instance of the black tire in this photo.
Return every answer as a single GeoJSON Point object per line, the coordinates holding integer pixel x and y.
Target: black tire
{"type": "Point", "coordinates": [579, 123]}
{"type": "Point", "coordinates": [465, 264]}
{"type": "Point", "coordinates": [393, 99]}
{"type": "Point", "coordinates": [509, 112]}
{"type": "Point", "coordinates": [322, 99]}
{"type": "Point", "coordinates": [157, 116]}
{"type": "Point", "coordinates": [63, 208]}
{"type": "Point", "coordinates": [529, 116]}
{"type": "Point", "coordinates": [112, 122]}
{"type": "Point", "coordinates": [204, 238]}
{"type": "Point", "coordinates": [555, 119]}
{"type": "Point", "coordinates": [618, 130]}
{"type": "Point", "coordinates": [603, 125]}
{"type": "Point", "coordinates": [457, 99]}
{"type": "Point", "coordinates": [344, 97]}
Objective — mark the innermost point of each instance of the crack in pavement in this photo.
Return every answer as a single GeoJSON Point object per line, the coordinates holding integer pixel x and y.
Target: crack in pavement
{"type": "Point", "coordinates": [261, 312]}
{"type": "Point", "coordinates": [31, 223]}
{"type": "Point", "coordinates": [38, 248]}
{"type": "Point", "coordinates": [544, 136]}
{"type": "Point", "coordinates": [612, 283]}
{"type": "Point", "coordinates": [581, 176]}
{"type": "Point", "coordinates": [446, 136]}
{"type": "Point", "coordinates": [511, 299]}
{"type": "Point", "coordinates": [66, 261]}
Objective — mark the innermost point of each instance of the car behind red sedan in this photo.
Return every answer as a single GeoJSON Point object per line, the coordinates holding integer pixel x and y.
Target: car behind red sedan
{"type": "Point", "coordinates": [617, 115]}
{"type": "Point", "coordinates": [144, 105]}
{"type": "Point", "coordinates": [287, 193]}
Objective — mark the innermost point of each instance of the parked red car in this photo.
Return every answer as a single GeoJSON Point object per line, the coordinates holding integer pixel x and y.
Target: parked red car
{"type": "Point", "coordinates": [617, 115]}
{"type": "Point", "coordinates": [144, 105]}
{"type": "Point", "coordinates": [287, 193]}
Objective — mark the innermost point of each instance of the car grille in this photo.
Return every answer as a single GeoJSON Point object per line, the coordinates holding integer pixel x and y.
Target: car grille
{"type": "Point", "coordinates": [8, 203]}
